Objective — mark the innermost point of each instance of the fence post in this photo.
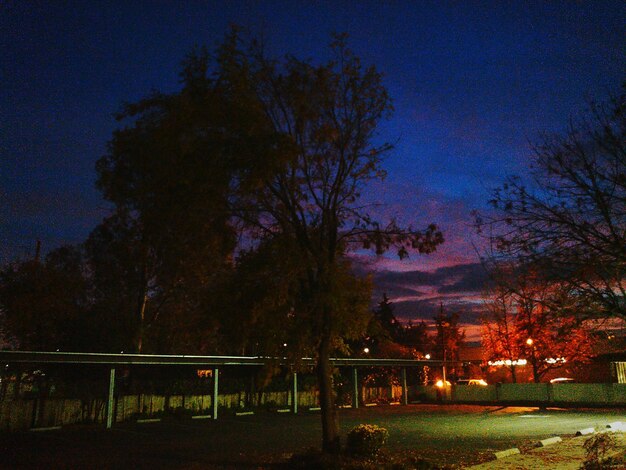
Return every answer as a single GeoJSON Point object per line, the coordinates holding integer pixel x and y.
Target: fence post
{"type": "Point", "coordinates": [215, 391]}
{"type": "Point", "coordinates": [295, 393]}
{"type": "Point", "coordinates": [405, 394]}
{"type": "Point", "coordinates": [355, 391]}
{"type": "Point", "coordinates": [111, 398]}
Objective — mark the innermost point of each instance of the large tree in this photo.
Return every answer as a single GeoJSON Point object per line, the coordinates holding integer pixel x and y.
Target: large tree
{"type": "Point", "coordinates": [170, 240]}
{"type": "Point", "coordinates": [571, 217]}
{"type": "Point", "coordinates": [281, 151]}
{"type": "Point", "coordinates": [324, 119]}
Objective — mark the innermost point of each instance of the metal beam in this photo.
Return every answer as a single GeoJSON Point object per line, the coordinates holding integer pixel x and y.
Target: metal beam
{"type": "Point", "coordinates": [38, 357]}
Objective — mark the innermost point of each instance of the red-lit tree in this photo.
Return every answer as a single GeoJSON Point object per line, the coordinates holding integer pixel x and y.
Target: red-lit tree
{"type": "Point", "coordinates": [499, 334]}
{"type": "Point", "coordinates": [533, 318]}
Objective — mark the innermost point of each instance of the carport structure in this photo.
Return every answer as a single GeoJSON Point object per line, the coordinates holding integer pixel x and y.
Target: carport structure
{"type": "Point", "coordinates": [214, 363]}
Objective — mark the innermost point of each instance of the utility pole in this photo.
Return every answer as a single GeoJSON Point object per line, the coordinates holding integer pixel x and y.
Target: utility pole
{"type": "Point", "coordinates": [443, 342]}
{"type": "Point", "coordinates": [37, 251]}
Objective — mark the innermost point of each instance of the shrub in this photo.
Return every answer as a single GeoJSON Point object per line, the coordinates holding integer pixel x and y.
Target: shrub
{"type": "Point", "coordinates": [366, 440]}
{"type": "Point", "coordinates": [597, 446]}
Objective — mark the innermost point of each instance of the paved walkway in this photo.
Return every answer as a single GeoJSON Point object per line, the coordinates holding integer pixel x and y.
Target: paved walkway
{"type": "Point", "coordinates": [565, 455]}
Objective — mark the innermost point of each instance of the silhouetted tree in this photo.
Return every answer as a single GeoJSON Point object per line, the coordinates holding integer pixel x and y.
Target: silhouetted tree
{"type": "Point", "coordinates": [168, 172]}
{"type": "Point", "coordinates": [571, 219]}
{"type": "Point", "coordinates": [44, 306]}
{"type": "Point", "coordinates": [322, 120]}
{"type": "Point", "coordinates": [279, 151]}
{"type": "Point", "coordinates": [415, 336]}
{"type": "Point", "coordinates": [388, 322]}
{"type": "Point", "coordinates": [449, 335]}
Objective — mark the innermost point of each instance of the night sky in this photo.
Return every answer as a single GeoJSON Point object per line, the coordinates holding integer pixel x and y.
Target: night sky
{"type": "Point", "coordinates": [473, 84]}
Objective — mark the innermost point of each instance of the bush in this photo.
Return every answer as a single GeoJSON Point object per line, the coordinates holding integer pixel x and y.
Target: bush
{"type": "Point", "coordinates": [597, 447]}
{"type": "Point", "coordinates": [366, 440]}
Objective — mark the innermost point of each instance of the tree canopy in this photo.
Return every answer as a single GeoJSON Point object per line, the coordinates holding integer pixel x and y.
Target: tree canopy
{"type": "Point", "coordinates": [278, 152]}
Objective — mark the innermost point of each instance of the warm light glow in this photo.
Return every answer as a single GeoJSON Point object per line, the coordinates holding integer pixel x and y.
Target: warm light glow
{"type": "Point", "coordinates": [440, 384]}
{"type": "Point", "coordinates": [508, 362]}
{"type": "Point", "coordinates": [203, 373]}
{"type": "Point", "coordinates": [529, 341]}
{"type": "Point", "coordinates": [553, 360]}
{"type": "Point", "coordinates": [427, 356]}
{"type": "Point", "coordinates": [366, 350]}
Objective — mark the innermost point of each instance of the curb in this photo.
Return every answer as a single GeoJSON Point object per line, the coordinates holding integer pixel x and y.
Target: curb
{"type": "Point", "coordinates": [616, 426]}
{"type": "Point", "coordinates": [550, 441]}
{"type": "Point", "coordinates": [505, 453]}
{"type": "Point", "coordinates": [149, 420]}
{"type": "Point", "coordinates": [49, 428]}
{"type": "Point", "coordinates": [584, 432]}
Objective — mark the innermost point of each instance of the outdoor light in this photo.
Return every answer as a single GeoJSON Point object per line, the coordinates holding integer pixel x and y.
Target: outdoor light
{"type": "Point", "coordinates": [366, 350]}
{"type": "Point", "coordinates": [508, 362]}
{"type": "Point", "coordinates": [552, 360]}
{"type": "Point", "coordinates": [529, 341]}
{"type": "Point", "coordinates": [427, 356]}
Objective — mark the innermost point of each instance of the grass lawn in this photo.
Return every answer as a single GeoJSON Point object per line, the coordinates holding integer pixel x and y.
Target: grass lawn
{"type": "Point", "coordinates": [455, 435]}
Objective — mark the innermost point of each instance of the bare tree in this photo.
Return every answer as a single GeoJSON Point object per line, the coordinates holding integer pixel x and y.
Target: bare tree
{"type": "Point", "coordinates": [571, 218]}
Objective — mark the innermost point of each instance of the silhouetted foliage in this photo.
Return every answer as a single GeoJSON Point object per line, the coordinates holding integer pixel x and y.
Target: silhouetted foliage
{"type": "Point", "coordinates": [571, 218]}
{"type": "Point", "coordinates": [44, 306]}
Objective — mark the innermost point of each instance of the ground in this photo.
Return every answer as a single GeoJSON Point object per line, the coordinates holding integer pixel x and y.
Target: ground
{"type": "Point", "coordinates": [454, 435]}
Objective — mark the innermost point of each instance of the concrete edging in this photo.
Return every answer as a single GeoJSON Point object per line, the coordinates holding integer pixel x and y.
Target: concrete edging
{"type": "Point", "coordinates": [550, 441]}
{"type": "Point", "coordinates": [505, 453]}
{"type": "Point", "coordinates": [584, 432]}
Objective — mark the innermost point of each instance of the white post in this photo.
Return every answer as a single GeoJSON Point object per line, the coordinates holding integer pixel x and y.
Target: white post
{"type": "Point", "coordinates": [295, 393]}
{"type": "Point", "coordinates": [355, 390]}
{"type": "Point", "coordinates": [111, 399]}
{"type": "Point", "coordinates": [405, 394]}
{"type": "Point", "coordinates": [215, 391]}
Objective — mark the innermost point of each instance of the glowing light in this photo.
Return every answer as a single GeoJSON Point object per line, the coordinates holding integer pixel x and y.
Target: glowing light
{"type": "Point", "coordinates": [441, 385]}
{"type": "Point", "coordinates": [427, 356]}
{"type": "Point", "coordinates": [508, 362]}
{"type": "Point", "coordinates": [557, 360]}
{"type": "Point", "coordinates": [366, 350]}
{"type": "Point", "coordinates": [529, 341]}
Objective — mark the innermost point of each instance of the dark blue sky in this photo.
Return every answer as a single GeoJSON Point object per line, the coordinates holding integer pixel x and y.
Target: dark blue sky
{"type": "Point", "coordinates": [472, 82]}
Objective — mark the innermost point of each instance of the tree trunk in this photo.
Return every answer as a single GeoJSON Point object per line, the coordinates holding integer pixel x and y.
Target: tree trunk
{"type": "Point", "coordinates": [330, 429]}
{"type": "Point", "coordinates": [536, 376]}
